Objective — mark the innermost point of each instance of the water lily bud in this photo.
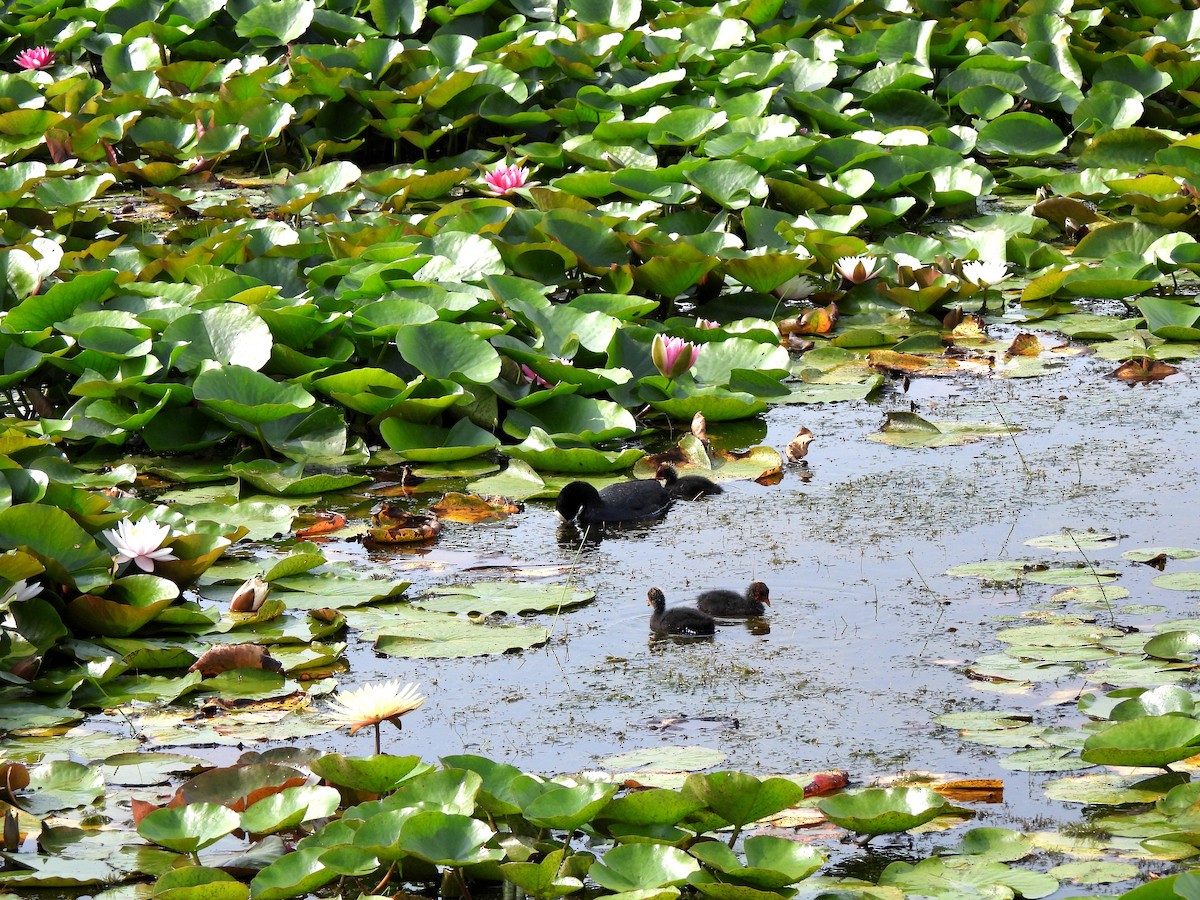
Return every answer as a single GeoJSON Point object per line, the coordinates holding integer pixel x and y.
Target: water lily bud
{"type": "Point", "coordinates": [672, 355]}
{"type": "Point", "coordinates": [250, 596]}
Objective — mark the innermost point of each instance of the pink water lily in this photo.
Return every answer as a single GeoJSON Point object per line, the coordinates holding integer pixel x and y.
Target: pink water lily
{"type": "Point", "coordinates": [673, 355]}
{"type": "Point", "coordinates": [35, 58]}
{"type": "Point", "coordinates": [857, 269]}
{"type": "Point", "coordinates": [506, 179]}
{"type": "Point", "coordinates": [706, 323]}
{"type": "Point", "coordinates": [534, 378]}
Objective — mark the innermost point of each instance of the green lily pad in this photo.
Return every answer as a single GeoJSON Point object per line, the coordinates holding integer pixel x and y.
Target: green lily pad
{"type": "Point", "coordinates": [187, 829]}
{"type": "Point", "coordinates": [572, 418]}
{"type": "Point", "coordinates": [376, 774]}
{"type": "Point", "coordinates": [454, 638]}
{"type": "Point", "coordinates": [432, 443]}
{"type": "Point", "coordinates": [904, 429]}
{"type": "Point", "coordinates": [886, 810]}
{"type": "Point", "coordinates": [1145, 741]}
{"type": "Point", "coordinates": [632, 867]}
{"type": "Point", "coordinates": [1178, 581]}
{"type": "Point", "coordinates": [665, 759]}
{"type": "Point", "coordinates": [510, 598]}
{"type": "Point", "coordinates": [289, 808]}
{"type": "Point", "coordinates": [541, 452]}
{"type": "Point", "coordinates": [1072, 541]}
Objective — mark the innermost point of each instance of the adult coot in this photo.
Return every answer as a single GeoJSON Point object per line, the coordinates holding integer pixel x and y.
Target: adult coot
{"type": "Point", "coordinates": [685, 487]}
{"type": "Point", "coordinates": [627, 501]}
{"type": "Point", "coordinates": [680, 620]}
{"type": "Point", "coordinates": [730, 603]}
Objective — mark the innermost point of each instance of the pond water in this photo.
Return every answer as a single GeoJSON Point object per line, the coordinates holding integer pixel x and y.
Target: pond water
{"type": "Point", "coordinates": [868, 638]}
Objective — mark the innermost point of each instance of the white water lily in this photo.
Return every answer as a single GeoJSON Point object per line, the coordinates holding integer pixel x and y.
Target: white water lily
{"type": "Point", "coordinates": [18, 591]}
{"type": "Point", "coordinates": [907, 259]}
{"type": "Point", "coordinates": [984, 273]}
{"type": "Point", "coordinates": [798, 287]}
{"type": "Point", "coordinates": [140, 542]}
{"type": "Point", "coordinates": [857, 269]}
{"type": "Point", "coordinates": [373, 704]}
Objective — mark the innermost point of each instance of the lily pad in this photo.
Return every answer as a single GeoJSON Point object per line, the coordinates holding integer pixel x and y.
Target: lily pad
{"type": "Point", "coordinates": [886, 810]}
{"type": "Point", "coordinates": [455, 638]}
{"type": "Point", "coordinates": [509, 598]}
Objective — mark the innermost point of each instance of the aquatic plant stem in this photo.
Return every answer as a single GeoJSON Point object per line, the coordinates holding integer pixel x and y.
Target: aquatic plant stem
{"type": "Point", "coordinates": [1011, 436]}
{"type": "Point", "coordinates": [1091, 568]}
{"type": "Point", "coordinates": [387, 876]}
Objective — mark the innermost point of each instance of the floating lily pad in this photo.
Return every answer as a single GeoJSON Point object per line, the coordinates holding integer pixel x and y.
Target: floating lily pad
{"type": "Point", "coordinates": [1083, 575]}
{"type": "Point", "coordinates": [886, 810]}
{"type": "Point", "coordinates": [1145, 741]}
{"type": "Point", "coordinates": [631, 867]}
{"type": "Point", "coordinates": [665, 759]}
{"type": "Point", "coordinates": [903, 429]}
{"type": "Point", "coordinates": [510, 598]}
{"type": "Point", "coordinates": [1178, 581]}
{"type": "Point", "coordinates": [432, 443]}
{"type": "Point", "coordinates": [455, 638]}
{"type": "Point", "coordinates": [541, 452]}
{"type": "Point", "coordinates": [1072, 541]}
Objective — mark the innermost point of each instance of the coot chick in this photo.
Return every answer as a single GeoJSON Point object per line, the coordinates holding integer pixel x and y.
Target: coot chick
{"type": "Point", "coordinates": [627, 501]}
{"type": "Point", "coordinates": [679, 620]}
{"type": "Point", "coordinates": [730, 603]}
{"type": "Point", "coordinates": [686, 487]}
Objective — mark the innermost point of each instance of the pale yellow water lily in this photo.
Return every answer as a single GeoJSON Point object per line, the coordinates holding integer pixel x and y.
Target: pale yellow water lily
{"type": "Point", "coordinates": [373, 704]}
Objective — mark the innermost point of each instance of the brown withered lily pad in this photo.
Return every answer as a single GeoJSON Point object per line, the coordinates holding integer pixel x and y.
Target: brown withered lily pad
{"type": "Point", "coordinates": [224, 657]}
{"type": "Point", "coordinates": [320, 523]}
{"type": "Point", "coordinates": [910, 364]}
{"type": "Point", "coordinates": [393, 525]}
{"type": "Point", "coordinates": [1144, 370]}
{"type": "Point", "coordinates": [798, 448]}
{"type": "Point", "coordinates": [456, 507]}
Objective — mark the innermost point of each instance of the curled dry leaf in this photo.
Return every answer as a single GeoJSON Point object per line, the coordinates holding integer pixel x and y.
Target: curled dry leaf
{"type": "Point", "coordinates": [1024, 344]}
{"type": "Point", "coordinates": [909, 363]}
{"type": "Point", "coordinates": [323, 523]}
{"type": "Point", "coordinates": [458, 507]}
{"type": "Point", "coordinates": [798, 448]}
{"type": "Point", "coordinates": [793, 343]}
{"type": "Point", "coordinates": [700, 427]}
{"type": "Point", "coordinates": [980, 790]}
{"type": "Point", "coordinates": [250, 596]}
{"type": "Point", "coordinates": [953, 318]}
{"type": "Point", "coordinates": [14, 777]}
{"type": "Point", "coordinates": [393, 525]}
{"type": "Point", "coordinates": [1144, 370]}
{"type": "Point", "coordinates": [224, 657]}
{"type": "Point", "coordinates": [821, 320]}
{"type": "Point", "coordinates": [827, 781]}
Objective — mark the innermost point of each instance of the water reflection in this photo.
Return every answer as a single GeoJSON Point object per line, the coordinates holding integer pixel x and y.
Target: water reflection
{"type": "Point", "coordinates": [589, 537]}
